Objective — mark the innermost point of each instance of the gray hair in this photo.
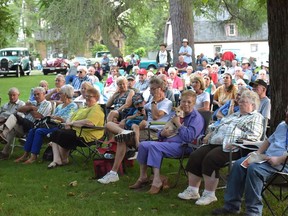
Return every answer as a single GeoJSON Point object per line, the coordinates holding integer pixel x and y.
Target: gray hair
{"type": "Point", "coordinates": [14, 89]}
{"type": "Point", "coordinates": [41, 89]}
{"type": "Point", "coordinates": [60, 76]}
{"type": "Point", "coordinates": [121, 79]}
{"type": "Point", "coordinates": [253, 98]}
{"type": "Point", "coordinates": [68, 90]}
{"type": "Point", "coordinates": [172, 69]}
{"type": "Point", "coordinates": [158, 81]}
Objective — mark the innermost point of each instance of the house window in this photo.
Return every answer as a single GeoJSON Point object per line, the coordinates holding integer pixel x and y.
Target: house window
{"type": "Point", "coordinates": [217, 48]}
{"type": "Point", "coordinates": [231, 29]}
{"type": "Point", "coordinates": [254, 47]}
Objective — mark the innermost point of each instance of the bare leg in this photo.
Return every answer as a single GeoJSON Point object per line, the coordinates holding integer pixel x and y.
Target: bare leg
{"type": "Point", "coordinates": [56, 153]}
{"type": "Point", "coordinates": [120, 153]}
{"type": "Point", "coordinates": [211, 182]}
{"type": "Point", "coordinates": [136, 129]}
{"type": "Point", "coordinates": [194, 180]}
{"type": "Point", "coordinates": [113, 114]}
{"type": "Point", "coordinates": [157, 180]}
{"type": "Point", "coordinates": [113, 128]}
{"type": "Point", "coordinates": [64, 154]}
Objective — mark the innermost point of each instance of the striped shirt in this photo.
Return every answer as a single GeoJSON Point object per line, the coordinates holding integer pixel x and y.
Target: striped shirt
{"type": "Point", "coordinates": [78, 81]}
{"type": "Point", "coordinates": [44, 108]}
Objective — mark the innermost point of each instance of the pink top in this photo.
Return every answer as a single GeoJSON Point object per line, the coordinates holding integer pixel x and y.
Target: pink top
{"type": "Point", "coordinates": [109, 81]}
{"type": "Point", "coordinates": [177, 83]}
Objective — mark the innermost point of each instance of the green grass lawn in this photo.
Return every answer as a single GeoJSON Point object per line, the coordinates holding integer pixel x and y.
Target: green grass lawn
{"type": "Point", "coordinates": [36, 190]}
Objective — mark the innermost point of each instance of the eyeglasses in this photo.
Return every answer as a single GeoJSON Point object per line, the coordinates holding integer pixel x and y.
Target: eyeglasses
{"type": "Point", "coordinates": [80, 72]}
{"type": "Point", "coordinates": [240, 84]}
{"type": "Point", "coordinates": [226, 77]}
{"type": "Point", "coordinates": [206, 78]}
{"type": "Point", "coordinates": [57, 80]}
{"type": "Point", "coordinates": [89, 96]}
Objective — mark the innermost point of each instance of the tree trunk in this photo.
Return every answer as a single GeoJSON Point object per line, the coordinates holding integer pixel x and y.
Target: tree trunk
{"type": "Point", "coordinates": [181, 15]}
{"type": "Point", "coordinates": [278, 64]}
{"type": "Point", "coordinates": [107, 39]}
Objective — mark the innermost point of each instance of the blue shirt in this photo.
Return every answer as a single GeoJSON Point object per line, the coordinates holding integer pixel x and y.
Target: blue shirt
{"type": "Point", "coordinates": [278, 141]}
{"type": "Point", "coordinates": [187, 49]}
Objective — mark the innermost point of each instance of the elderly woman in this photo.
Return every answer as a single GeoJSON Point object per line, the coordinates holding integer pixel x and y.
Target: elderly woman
{"type": "Point", "coordinates": [225, 92]}
{"type": "Point", "coordinates": [120, 100]}
{"type": "Point", "coordinates": [177, 81]}
{"type": "Point", "coordinates": [151, 153]}
{"type": "Point", "coordinates": [63, 140]}
{"type": "Point", "coordinates": [157, 109]}
{"type": "Point", "coordinates": [186, 76]}
{"type": "Point", "coordinates": [35, 136]}
{"type": "Point", "coordinates": [203, 98]}
{"type": "Point", "coordinates": [80, 100]}
{"type": "Point", "coordinates": [247, 124]}
{"type": "Point", "coordinates": [54, 94]}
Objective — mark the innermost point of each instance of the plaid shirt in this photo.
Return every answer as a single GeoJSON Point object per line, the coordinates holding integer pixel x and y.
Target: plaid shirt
{"type": "Point", "coordinates": [237, 126]}
{"type": "Point", "coordinates": [78, 81]}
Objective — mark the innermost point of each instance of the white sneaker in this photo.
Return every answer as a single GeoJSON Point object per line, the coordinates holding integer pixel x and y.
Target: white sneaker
{"type": "Point", "coordinates": [206, 199]}
{"type": "Point", "coordinates": [188, 194]}
{"type": "Point", "coordinates": [108, 178]}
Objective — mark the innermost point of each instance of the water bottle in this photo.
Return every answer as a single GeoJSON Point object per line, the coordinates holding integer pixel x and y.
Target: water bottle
{"type": "Point", "coordinates": [108, 156]}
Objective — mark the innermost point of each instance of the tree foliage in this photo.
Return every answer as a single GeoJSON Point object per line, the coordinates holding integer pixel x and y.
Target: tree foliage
{"type": "Point", "coordinates": [7, 23]}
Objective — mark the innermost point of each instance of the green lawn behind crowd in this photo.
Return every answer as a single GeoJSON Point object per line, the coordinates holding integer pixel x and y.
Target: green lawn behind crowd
{"type": "Point", "coordinates": [35, 190]}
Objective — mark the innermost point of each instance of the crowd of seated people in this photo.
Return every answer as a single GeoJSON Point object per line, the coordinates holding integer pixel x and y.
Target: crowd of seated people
{"type": "Point", "coordinates": [135, 100]}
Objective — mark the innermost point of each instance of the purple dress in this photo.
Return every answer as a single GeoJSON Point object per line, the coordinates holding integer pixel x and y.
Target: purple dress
{"type": "Point", "coordinates": [152, 152]}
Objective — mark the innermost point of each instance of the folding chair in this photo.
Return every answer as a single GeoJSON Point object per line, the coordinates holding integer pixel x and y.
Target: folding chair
{"type": "Point", "coordinates": [278, 179]}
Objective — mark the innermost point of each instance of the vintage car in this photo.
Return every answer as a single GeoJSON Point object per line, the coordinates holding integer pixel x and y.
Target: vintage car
{"type": "Point", "coordinates": [15, 61]}
{"type": "Point", "coordinates": [57, 63]}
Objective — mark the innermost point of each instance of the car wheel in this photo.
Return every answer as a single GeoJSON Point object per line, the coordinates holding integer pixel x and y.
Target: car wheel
{"type": "Point", "coordinates": [45, 72]}
{"type": "Point", "coordinates": [151, 67]}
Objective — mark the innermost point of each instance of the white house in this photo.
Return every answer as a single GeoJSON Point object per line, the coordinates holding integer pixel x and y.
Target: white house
{"type": "Point", "coordinates": [218, 36]}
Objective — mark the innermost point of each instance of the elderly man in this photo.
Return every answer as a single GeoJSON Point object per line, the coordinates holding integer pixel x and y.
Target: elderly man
{"type": "Point", "coordinates": [260, 87]}
{"type": "Point", "coordinates": [72, 72]}
{"type": "Point", "coordinates": [82, 76]}
{"type": "Point", "coordinates": [12, 106]}
{"type": "Point", "coordinates": [249, 181]}
{"type": "Point", "coordinates": [131, 83]}
{"type": "Point", "coordinates": [246, 69]}
{"type": "Point", "coordinates": [142, 84]}
{"type": "Point", "coordinates": [186, 51]}
{"type": "Point", "coordinates": [105, 64]}
{"type": "Point", "coordinates": [16, 125]}
{"type": "Point", "coordinates": [181, 65]}
{"type": "Point", "coordinates": [157, 110]}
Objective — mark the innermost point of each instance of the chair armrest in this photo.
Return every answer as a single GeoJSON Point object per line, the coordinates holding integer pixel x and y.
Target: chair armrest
{"type": "Point", "coordinates": [157, 123]}
{"type": "Point", "coordinates": [250, 145]}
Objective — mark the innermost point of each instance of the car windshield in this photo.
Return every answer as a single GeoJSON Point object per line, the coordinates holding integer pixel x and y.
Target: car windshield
{"type": "Point", "coordinates": [9, 53]}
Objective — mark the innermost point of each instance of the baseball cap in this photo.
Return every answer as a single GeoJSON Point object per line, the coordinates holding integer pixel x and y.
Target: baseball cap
{"type": "Point", "coordinates": [142, 71]}
{"type": "Point", "coordinates": [258, 82]}
{"type": "Point", "coordinates": [131, 77]}
{"type": "Point", "coordinates": [185, 40]}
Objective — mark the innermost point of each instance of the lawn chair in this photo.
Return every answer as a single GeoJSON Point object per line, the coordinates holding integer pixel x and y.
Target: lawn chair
{"type": "Point", "coordinates": [89, 149]}
{"type": "Point", "coordinates": [278, 179]}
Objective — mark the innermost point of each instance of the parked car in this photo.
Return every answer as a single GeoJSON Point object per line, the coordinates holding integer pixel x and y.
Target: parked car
{"type": "Point", "coordinates": [15, 60]}
{"type": "Point", "coordinates": [82, 60]}
{"type": "Point", "coordinates": [57, 63]}
{"type": "Point", "coordinates": [99, 57]}
{"type": "Point", "coordinates": [148, 64]}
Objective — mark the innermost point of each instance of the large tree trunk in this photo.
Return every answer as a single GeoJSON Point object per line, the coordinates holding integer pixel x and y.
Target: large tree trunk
{"type": "Point", "coordinates": [278, 46]}
{"type": "Point", "coordinates": [107, 39]}
{"type": "Point", "coordinates": [181, 15]}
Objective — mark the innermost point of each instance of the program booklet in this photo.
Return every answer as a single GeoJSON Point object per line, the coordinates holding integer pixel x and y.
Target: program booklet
{"type": "Point", "coordinates": [254, 158]}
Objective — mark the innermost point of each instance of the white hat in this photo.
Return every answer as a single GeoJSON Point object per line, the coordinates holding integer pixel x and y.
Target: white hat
{"type": "Point", "coordinates": [266, 64]}
{"type": "Point", "coordinates": [185, 40]}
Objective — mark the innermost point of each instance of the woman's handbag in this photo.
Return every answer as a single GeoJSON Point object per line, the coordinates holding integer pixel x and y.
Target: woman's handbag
{"type": "Point", "coordinates": [47, 122]}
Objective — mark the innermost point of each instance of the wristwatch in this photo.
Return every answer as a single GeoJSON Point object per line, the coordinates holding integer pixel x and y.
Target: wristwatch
{"type": "Point", "coordinates": [154, 102]}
